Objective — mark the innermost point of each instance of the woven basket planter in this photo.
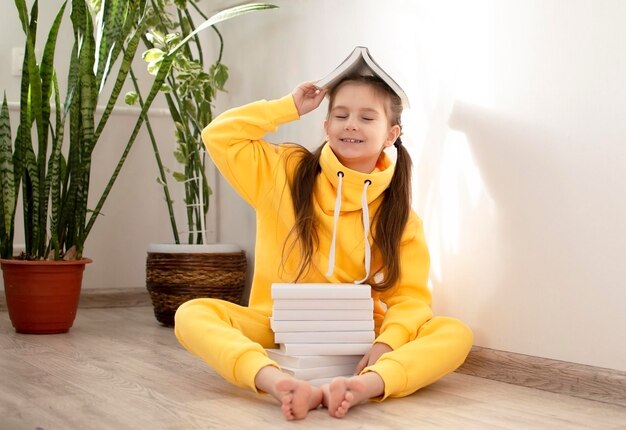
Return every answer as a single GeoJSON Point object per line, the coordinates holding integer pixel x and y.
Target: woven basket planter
{"type": "Point", "coordinates": [178, 273]}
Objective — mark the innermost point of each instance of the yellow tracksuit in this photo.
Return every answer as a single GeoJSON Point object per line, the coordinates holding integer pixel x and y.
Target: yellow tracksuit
{"type": "Point", "coordinates": [232, 338]}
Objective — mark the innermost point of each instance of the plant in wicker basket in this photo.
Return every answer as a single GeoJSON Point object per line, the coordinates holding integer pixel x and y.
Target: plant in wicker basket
{"type": "Point", "coordinates": [175, 274]}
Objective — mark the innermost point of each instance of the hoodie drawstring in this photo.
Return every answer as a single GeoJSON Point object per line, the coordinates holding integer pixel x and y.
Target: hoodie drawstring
{"type": "Point", "coordinates": [366, 229]}
{"type": "Point", "coordinates": [331, 254]}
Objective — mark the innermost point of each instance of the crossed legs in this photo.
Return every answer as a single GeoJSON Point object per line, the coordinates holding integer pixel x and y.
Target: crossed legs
{"type": "Point", "coordinates": [232, 338]}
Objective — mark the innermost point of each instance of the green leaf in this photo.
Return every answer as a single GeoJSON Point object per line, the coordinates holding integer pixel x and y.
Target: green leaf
{"type": "Point", "coordinates": [224, 16]}
{"type": "Point", "coordinates": [172, 38]}
{"type": "Point", "coordinates": [22, 11]}
{"type": "Point", "coordinates": [180, 156]}
{"type": "Point", "coordinates": [153, 55]}
{"type": "Point", "coordinates": [153, 67]}
{"type": "Point", "coordinates": [55, 172]}
{"type": "Point", "coordinates": [7, 179]}
{"type": "Point", "coordinates": [179, 177]}
{"type": "Point", "coordinates": [131, 98]}
{"type": "Point", "coordinates": [123, 71]}
{"type": "Point", "coordinates": [109, 35]}
{"type": "Point", "coordinates": [95, 5]}
{"type": "Point", "coordinates": [220, 75]}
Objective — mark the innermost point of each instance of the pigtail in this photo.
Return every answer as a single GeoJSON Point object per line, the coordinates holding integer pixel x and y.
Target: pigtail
{"type": "Point", "coordinates": [391, 219]}
{"type": "Point", "coordinates": [304, 229]}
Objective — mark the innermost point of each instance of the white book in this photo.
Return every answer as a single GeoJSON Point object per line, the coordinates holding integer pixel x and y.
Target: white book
{"type": "Point", "coordinates": [320, 291]}
{"type": "Point", "coordinates": [325, 337]}
{"type": "Point", "coordinates": [322, 315]}
{"type": "Point", "coordinates": [324, 304]}
{"type": "Point", "coordinates": [296, 325]}
{"type": "Point", "coordinates": [308, 361]}
{"type": "Point", "coordinates": [321, 372]}
{"type": "Point", "coordinates": [325, 348]}
{"type": "Point", "coordinates": [360, 62]}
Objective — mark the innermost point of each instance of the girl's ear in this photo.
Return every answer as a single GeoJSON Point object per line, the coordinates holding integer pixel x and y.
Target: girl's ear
{"type": "Point", "coordinates": [326, 126]}
{"type": "Point", "coordinates": [394, 133]}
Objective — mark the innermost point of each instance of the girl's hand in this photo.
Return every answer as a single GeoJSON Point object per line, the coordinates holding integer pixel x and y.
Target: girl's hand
{"type": "Point", "coordinates": [372, 356]}
{"type": "Point", "coordinates": [307, 97]}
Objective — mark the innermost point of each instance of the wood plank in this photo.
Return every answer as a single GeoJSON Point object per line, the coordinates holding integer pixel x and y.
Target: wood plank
{"type": "Point", "coordinates": [587, 382]}
{"type": "Point", "coordinates": [107, 314]}
{"type": "Point", "coordinates": [114, 298]}
{"type": "Point", "coordinates": [105, 298]}
{"type": "Point", "coordinates": [119, 368]}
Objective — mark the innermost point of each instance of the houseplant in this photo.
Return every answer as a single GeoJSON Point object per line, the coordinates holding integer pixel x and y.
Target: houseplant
{"type": "Point", "coordinates": [190, 267]}
{"type": "Point", "coordinates": [55, 181]}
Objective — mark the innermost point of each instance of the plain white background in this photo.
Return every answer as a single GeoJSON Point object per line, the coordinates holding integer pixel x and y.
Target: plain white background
{"type": "Point", "coordinates": [517, 136]}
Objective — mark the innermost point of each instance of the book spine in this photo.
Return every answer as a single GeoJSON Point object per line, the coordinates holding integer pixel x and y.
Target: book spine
{"type": "Point", "coordinates": [320, 291]}
{"type": "Point", "coordinates": [299, 326]}
{"type": "Point", "coordinates": [323, 304]}
{"type": "Point", "coordinates": [321, 372]}
{"type": "Point", "coordinates": [325, 348]}
{"type": "Point", "coordinates": [322, 315]}
{"type": "Point", "coordinates": [308, 361]}
{"type": "Point", "coordinates": [325, 337]}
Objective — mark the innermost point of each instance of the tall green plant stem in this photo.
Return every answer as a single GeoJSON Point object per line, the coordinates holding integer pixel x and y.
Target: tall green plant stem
{"type": "Point", "coordinates": [157, 155]}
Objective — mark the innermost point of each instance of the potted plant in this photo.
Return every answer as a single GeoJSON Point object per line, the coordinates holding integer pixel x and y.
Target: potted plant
{"type": "Point", "coordinates": [42, 284]}
{"type": "Point", "coordinates": [190, 267]}
{"type": "Point", "coordinates": [55, 181]}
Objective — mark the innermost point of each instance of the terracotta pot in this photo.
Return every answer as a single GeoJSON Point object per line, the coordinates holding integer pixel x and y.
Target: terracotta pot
{"type": "Point", "coordinates": [42, 296]}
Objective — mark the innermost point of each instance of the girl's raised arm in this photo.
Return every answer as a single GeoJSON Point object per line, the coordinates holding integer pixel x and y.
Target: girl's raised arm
{"type": "Point", "coordinates": [235, 143]}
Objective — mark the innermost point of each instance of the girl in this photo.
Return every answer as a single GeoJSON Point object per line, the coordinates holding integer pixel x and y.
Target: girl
{"type": "Point", "coordinates": [313, 216]}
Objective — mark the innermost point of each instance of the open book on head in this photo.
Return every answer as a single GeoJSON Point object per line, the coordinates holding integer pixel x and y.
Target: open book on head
{"type": "Point", "coordinates": [360, 62]}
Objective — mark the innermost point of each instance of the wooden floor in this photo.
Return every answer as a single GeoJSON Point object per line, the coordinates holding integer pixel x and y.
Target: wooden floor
{"type": "Point", "coordinates": [119, 369]}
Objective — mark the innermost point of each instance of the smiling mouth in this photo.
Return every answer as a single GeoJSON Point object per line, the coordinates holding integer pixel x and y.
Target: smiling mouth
{"type": "Point", "coordinates": [351, 140]}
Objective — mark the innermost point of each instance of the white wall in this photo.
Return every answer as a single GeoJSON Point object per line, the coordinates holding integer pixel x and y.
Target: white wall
{"type": "Point", "coordinates": [522, 196]}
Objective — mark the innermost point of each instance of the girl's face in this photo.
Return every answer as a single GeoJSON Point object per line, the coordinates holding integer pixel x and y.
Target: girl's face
{"type": "Point", "coordinates": [358, 128]}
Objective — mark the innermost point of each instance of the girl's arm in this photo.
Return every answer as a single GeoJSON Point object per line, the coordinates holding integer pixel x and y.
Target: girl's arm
{"type": "Point", "coordinates": [234, 139]}
{"type": "Point", "coordinates": [234, 142]}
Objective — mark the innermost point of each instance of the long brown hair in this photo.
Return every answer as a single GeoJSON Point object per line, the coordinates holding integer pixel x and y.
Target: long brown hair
{"type": "Point", "coordinates": [392, 215]}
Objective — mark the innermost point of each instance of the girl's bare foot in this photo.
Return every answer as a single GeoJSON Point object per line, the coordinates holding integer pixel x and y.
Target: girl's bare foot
{"type": "Point", "coordinates": [297, 397]}
{"type": "Point", "coordinates": [343, 393]}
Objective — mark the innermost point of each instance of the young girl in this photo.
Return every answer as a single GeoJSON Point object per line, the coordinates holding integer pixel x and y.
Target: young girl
{"type": "Point", "coordinates": [314, 212]}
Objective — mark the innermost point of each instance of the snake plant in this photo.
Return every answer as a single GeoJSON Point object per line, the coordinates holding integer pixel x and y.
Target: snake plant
{"type": "Point", "coordinates": [55, 180]}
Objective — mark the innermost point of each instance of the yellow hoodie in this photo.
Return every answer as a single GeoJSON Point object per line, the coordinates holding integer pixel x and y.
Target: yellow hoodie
{"type": "Point", "coordinates": [259, 172]}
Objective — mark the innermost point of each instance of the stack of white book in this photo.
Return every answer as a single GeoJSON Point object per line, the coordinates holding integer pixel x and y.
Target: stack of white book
{"type": "Point", "coordinates": [323, 329]}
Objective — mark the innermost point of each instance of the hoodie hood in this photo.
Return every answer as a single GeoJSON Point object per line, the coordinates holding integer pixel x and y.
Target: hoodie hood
{"type": "Point", "coordinates": [354, 191]}
{"type": "Point", "coordinates": [352, 181]}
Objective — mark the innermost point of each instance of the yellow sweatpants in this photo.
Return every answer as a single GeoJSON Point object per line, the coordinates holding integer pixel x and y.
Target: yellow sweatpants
{"type": "Point", "coordinates": [232, 338]}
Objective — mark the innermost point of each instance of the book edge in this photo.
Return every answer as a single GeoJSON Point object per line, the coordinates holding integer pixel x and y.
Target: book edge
{"type": "Point", "coordinates": [362, 55]}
